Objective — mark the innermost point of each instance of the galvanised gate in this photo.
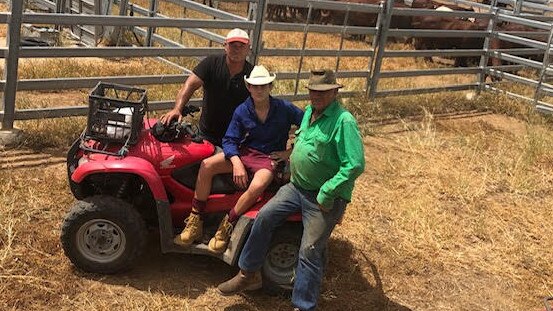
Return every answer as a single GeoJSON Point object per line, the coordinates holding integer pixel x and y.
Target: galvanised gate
{"type": "Point", "coordinates": [90, 20]}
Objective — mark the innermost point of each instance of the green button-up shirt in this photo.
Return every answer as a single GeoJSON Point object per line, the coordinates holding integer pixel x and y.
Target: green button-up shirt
{"type": "Point", "coordinates": [328, 154]}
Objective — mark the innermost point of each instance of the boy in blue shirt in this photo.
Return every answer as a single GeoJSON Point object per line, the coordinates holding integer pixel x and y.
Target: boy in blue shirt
{"type": "Point", "coordinates": [258, 130]}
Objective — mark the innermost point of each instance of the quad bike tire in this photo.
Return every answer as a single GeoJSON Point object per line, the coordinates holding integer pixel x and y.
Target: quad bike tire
{"type": "Point", "coordinates": [282, 259]}
{"type": "Point", "coordinates": [103, 234]}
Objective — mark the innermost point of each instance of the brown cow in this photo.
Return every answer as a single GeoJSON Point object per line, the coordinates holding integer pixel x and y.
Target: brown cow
{"type": "Point", "coordinates": [434, 22]}
{"type": "Point", "coordinates": [500, 44]}
{"type": "Point", "coordinates": [364, 19]}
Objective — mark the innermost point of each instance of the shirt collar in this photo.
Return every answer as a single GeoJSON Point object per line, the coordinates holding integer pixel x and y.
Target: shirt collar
{"type": "Point", "coordinates": [251, 107]}
{"type": "Point", "coordinates": [330, 110]}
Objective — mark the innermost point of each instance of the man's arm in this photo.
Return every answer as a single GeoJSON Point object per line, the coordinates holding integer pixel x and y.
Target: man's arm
{"type": "Point", "coordinates": [349, 146]}
{"type": "Point", "coordinates": [231, 142]}
{"type": "Point", "coordinates": [185, 93]}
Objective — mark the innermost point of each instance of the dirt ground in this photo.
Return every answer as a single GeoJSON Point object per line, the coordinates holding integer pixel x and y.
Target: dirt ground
{"type": "Point", "coordinates": [451, 214]}
{"type": "Point", "coordinates": [439, 221]}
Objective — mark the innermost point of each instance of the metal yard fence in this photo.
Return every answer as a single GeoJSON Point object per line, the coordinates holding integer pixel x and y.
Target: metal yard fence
{"type": "Point", "coordinates": [89, 19]}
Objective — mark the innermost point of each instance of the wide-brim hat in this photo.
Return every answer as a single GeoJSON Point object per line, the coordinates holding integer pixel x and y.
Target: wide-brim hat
{"type": "Point", "coordinates": [259, 76]}
{"type": "Point", "coordinates": [323, 80]}
{"type": "Point", "coordinates": [237, 35]}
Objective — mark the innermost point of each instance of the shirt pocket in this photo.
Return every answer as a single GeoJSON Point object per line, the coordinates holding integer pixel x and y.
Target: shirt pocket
{"type": "Point", "coordinates": [248, 125]}
{"type": "Point", "coordinates": [319, 142]}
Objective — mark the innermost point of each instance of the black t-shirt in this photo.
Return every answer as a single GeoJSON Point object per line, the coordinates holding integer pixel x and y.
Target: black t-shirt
{"type": "Point", "coordinates": [222, 94]}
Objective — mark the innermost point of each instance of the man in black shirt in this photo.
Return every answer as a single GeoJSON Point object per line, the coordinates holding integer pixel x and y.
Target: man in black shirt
{"type": "Point", "coordinates": [222, 77]}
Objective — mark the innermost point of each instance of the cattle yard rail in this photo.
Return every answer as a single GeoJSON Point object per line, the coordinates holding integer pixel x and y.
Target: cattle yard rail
{"type": "Point", "coordinates": [145, 21]}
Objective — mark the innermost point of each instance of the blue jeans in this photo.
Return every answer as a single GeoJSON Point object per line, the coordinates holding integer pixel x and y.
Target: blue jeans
{"type": "Point", "coordinates": [317, 227]}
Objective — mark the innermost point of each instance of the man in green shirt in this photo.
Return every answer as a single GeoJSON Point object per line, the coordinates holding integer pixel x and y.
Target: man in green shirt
{"type": "Point", "coordinates": [326, 160]}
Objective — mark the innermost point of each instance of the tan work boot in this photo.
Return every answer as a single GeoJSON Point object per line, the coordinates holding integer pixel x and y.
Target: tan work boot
{"type": "Point", "coordinates": [192, 231]}
{"type": "Point", "coordinates": [243, 281]}
{"type": "Point", "coordinates": [219, 242]}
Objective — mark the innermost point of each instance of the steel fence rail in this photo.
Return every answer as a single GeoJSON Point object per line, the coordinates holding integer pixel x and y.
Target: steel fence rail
{"type": "Point", "coordinates": [196, 31]}
{"type": "Point", "coordinates": [417, 91]}
{"type": "Point", "coordinates": [375, 54]}
{"type": "Point", "coordinates": [75, 111]}
{"type": "Point", "coordinates": [428, 72]}
{"type": "Point", "coordinates": [110, 20]}
{"type": "Point", "coordinates": [79, 83]}
{"type": "Point", "coordinates": [518, 79]}
{"type": "Point", "coordinates": [205, 9]}
{"type": "Point", "coordinates": [329, 5]}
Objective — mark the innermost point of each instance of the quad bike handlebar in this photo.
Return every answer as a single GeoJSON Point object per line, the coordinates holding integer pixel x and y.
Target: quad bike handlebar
{"type": "Point", "coordinates": [189, 110]}
{"type": "Point", "coordinates": [174, 130]}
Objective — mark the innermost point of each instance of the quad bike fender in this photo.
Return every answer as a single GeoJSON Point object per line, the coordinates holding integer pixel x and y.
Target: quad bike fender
{"type": "Point", "coordinates": [129, 165]}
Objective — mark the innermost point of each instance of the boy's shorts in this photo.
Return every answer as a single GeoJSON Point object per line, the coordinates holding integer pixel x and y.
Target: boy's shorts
{"type": "Point", "coordinates": [255, 160]}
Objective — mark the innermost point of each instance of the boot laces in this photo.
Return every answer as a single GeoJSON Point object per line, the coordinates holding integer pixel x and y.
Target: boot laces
{"type": "Point", "coordinates": [192, 222]}
{"type": "Point", "coordinates": [225, 228]}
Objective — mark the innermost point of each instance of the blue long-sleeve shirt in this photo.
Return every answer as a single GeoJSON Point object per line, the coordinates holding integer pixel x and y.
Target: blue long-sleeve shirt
{"type": "Point", "coordinates": [245, 129]}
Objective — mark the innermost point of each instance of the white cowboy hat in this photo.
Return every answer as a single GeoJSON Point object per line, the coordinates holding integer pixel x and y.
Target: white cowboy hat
{"type": "Point", "coordinates": [260, 76]}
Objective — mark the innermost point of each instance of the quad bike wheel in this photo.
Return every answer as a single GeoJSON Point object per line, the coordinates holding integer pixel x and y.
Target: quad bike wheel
{"type": "Point", "coordinates": [103, 234]}
{"type": "Point", "coordinates": [281, 261]}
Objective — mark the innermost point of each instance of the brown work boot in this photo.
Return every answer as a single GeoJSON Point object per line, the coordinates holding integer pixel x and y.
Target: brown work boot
{"type": "Point", "coordinates": [191, 232]}
{"type": "Point", "coordinates": [219, 242]}
{"type": "Point", "coordinates": [243, 281]}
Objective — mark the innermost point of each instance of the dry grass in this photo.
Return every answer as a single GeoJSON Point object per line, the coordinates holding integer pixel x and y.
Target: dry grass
{"type": "Point", "coordinates": [449, 215]}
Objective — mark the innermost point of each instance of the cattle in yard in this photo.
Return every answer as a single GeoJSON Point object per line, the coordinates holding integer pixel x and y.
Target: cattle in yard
{"type": "Point", "coordinates": [456, 23]}
{"type": "Point", "coordinates": [496, 43]}
{"type": "Point", "coordinates": [276, 12]}
{"type": "Point", "coordinates": [445, 43]}
{"type": "Point", "coordinates": [364, 19]}
{"type": "Point", "coordinates": [292, 14]}
{"type": "Point", "coordinates": [284, 13]}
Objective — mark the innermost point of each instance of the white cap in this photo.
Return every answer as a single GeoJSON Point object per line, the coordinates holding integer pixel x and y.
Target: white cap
{"type": "Point", "coordinates": [260, 76]}
{"type": "Point", "coordinates": [237, 35]}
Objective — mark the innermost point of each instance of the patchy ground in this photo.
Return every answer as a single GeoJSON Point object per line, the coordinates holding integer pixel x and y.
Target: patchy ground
{"type": "Point", "coordinates": [449, 215]}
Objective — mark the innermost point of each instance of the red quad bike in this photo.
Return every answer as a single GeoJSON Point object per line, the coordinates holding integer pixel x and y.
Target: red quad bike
{"type": "Point", "coordinates": [130, 173]}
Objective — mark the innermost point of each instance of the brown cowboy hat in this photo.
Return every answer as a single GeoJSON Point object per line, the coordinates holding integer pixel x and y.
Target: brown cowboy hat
{"type": "Point", "coordinates": [323, 80]}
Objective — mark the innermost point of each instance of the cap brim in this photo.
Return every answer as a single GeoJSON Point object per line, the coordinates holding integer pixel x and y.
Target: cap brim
{"type": "Point", "coordinates": [260, 80]}
{"type": "Point", "coordinates": [324, 87]}
{"type": "Point", "coordinates": [237, 39]}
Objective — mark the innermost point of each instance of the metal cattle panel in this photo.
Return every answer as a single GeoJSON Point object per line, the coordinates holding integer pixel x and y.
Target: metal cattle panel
{"type": "Point", "coordinates": [516, 55]}
{"type": "Point", "coordinates": [91, 25]}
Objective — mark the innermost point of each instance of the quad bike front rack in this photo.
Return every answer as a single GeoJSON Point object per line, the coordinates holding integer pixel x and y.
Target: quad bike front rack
{"type": "Point", "coordinates": [115, 116]}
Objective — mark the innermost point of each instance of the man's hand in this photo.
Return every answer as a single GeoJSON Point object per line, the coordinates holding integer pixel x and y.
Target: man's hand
{"type": "Point", "coordinates": [171, 115]}
{"type": "Point", "coordinates": [279, 156]}
{"type": "Point", "coordinates": [239, 174]}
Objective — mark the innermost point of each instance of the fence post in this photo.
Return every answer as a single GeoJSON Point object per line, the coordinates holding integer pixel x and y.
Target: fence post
{"type": "Point", "coordinates": [302, 52]}
{"type": "Point", "coordinates": [342, 35]}
{"type": "Point", "coordinates": [11, 64]}
{"type": "Point", "coordinates": [382, 33]}
{"type": "Point", "coordinates": [485, 58]}
{"type": "Point", "coordinates": [152, 13]}
{"type": "Point", "coordinates": [120, 30]}
{"type": "Point", "coordinates": [98, 29]}
{"type": "Point", "coordinates": [518, 7]}
{"type": "Point", "coordinates": [257, 35]}
{"type": "Point", "coordinates": [545, 66]}
{"type": "Point", "coordinates": [60, 6]}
